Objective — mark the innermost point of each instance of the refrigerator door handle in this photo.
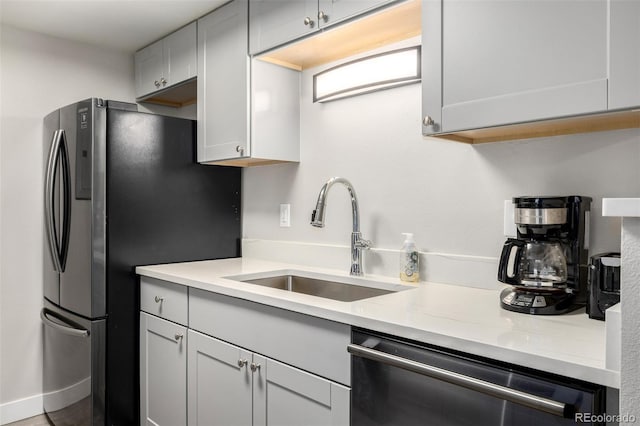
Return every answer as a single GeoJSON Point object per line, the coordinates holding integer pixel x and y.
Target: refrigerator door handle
{"type": "Point", "coordinates": [66, 215]}
{"type": "Point", "coordinates": [49, 200]}
{"type": "Point", "coordinates": [58, 250]}
{"type": "Point", "coordinates": [70, 328]}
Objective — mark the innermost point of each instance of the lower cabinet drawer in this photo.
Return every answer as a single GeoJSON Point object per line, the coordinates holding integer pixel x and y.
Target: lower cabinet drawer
{"type": "Point", "coordinates": [164, 299]}
{"type": "Point", "coordinates": [309, 343]}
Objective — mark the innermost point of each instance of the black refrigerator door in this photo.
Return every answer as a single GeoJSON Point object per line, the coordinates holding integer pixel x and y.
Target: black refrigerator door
{"type": "Point", "coordinates": [73, 369]}
{"type": "Point", "coordinates": [162, 207]}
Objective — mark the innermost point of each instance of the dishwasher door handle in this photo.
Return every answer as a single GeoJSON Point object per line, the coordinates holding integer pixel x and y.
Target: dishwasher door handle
{"type": "Point", "coordinates": [528, 400]}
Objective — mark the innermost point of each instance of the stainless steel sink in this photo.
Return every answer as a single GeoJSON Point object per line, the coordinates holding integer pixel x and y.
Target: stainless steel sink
{"type": "Point", "coordinates": [345, 292]}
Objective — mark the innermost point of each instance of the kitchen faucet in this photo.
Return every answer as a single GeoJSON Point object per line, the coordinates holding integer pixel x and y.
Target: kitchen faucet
{"type": "Point", "coordinates": [357, 242]}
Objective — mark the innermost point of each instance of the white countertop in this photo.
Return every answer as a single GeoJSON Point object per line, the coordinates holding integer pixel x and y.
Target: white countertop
{"type": "Point", "coordinates": [455, 317]}
{"type": "Point", "coordinates": [623, 207]}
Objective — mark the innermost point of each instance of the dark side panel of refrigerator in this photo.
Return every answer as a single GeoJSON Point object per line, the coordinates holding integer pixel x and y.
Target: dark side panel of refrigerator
{"type": "Point", "coordinates": [162, 207]}
{"type": "Point", "coordinates": [122, 189]}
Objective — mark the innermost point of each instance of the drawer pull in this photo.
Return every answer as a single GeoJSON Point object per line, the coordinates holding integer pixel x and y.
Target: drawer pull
{"type": "Point", "coordinates": [159, 299]}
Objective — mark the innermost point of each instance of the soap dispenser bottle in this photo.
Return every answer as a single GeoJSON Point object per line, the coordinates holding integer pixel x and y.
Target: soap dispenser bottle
{"type": "Point", "coordinates": [409, 269]}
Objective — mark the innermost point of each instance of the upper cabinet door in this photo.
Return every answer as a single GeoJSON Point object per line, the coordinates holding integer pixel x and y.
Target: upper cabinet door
{"type": "Point", "coordinates": [333, 11]}
{"type": "Point", "coordinates": [624, 84]}
{"type": "Point", "coordinates": [167, 62]}
{"type": "Point", "coordinates": [180, 55]}
{"type": "Point", "coordinates": [148, 67]}
{"type": "Point", "coordinates": [510, 61]}
{"type": "Point", "coordinates": [276, 22]}
{"type": "Point", "coordinates": [223, 84]}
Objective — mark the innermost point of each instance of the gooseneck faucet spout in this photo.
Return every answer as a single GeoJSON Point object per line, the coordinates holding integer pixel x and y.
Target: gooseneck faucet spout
{"type": "Point", "coordinates": [357, 242]}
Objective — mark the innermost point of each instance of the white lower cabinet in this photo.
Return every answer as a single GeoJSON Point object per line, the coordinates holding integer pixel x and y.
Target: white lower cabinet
{"type": "Point", "coordinates": [163, 372]}
{"type": "Point", "coordinates": [228, 385]}
{"type": "Point", "coordinates": [264, 366]}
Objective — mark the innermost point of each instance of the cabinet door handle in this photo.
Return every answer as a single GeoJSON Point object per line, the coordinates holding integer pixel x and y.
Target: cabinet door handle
{"type": "Point", "coordinates": [178, 336]}
{"type": "Point", "coordinates": [242, 362]}
{"type": "Point", "coordinates": [428, 121]}
{"type": "Point", "coordinates": [323, 16]}
{"type": "Point", "coordinates": [163, 81]}
{"type": "Point", "coordinates": [254, 367]}
{"type": "Point", "coordinates": [309, 22]}
{"type": "Point", "coordinates": [156, 83]}
{"type": "Point", "coordinates": [240, 150]}
{"type": "Point", "coordinates": [159, 299]}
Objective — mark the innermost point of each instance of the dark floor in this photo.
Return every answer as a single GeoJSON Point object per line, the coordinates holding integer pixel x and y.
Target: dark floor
{"type": "Point", "coordinates": [40, 420]}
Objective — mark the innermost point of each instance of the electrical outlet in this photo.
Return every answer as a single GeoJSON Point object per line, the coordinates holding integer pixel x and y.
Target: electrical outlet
{"type": "Point", "coordinates": [509, 227]}
{"type": "Point", "coordinates": [285, 215]}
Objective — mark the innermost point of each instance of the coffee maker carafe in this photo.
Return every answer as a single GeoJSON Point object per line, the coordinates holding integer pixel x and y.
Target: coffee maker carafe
{"type": "Point", "coordinates": [547, 263]}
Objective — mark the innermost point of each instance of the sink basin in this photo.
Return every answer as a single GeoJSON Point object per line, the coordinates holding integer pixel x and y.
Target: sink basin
{"type": "Point", "coordinates": [326, 288]}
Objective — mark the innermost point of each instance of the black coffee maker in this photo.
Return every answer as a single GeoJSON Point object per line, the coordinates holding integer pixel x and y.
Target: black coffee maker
{"type": "Point", "coordinates": [547, 264]}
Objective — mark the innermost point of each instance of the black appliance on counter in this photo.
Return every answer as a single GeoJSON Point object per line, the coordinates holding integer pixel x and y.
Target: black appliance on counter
{"type": "Point", "coordinates": [122, 188]}
{"type": "Point", "coordinates": [604, 284]}
{"type": "Point", "coordinates": [401, 382]}
{"type": "Point", "coordinates": [547, 263]}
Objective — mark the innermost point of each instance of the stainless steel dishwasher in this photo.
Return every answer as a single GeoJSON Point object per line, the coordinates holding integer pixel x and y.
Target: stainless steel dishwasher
{"type": "Point", "coordinates": [402, 383]}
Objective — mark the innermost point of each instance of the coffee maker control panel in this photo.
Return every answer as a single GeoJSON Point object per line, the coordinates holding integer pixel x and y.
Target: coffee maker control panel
{"type": "Point", "coordinates": [552, 302]}
{"type": "Point", "coordinates": [525, 300]}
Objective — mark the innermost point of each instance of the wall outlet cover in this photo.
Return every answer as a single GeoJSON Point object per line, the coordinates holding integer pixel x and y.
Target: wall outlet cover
{"type": "Point", "coordinates": [285, 215]}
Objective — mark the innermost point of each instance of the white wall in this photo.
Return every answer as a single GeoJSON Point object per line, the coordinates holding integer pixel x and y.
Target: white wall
{"type": "Point", "coordinates": [450, 195]}
{"type": "Point", "coordinates": [38, 75]}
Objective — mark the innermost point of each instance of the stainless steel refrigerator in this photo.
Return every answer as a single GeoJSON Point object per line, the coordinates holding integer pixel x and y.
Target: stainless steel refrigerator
{"type": "Point", "coordinates": [122, 188]}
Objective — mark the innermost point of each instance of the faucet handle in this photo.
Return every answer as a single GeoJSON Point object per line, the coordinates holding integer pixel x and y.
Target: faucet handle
{"type": "Point", "coordinates": [362, 243]}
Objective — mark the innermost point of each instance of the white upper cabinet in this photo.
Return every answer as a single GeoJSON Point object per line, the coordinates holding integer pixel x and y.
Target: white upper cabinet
{"type": "Point", "coordinates": [223, 84]}
{"type": "Point", "coordinates": [513, 61]}
{"type": "Point", "coordinates": [624, 84]}
{"type": "Point", "coordinates": [274, 22]}
{"type": "Point", "coordinates": [167, 62]}
{"type": "Point", "coordinates": [148, 68]}
{"type": "Point", "coordinates": [277, 22]}
{"type": "Point", "coordinates": [492, 63]}
{"type": "Point", "coordinates": [181, 55]}
{"type": "Point", "coordinates": [248, 110]}
{"type": "Point", "coordinates": [333, 11]}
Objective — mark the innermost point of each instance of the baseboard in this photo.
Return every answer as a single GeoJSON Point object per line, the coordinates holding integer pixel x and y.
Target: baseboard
{"type": "Point", "coordinates": [20, 409]}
